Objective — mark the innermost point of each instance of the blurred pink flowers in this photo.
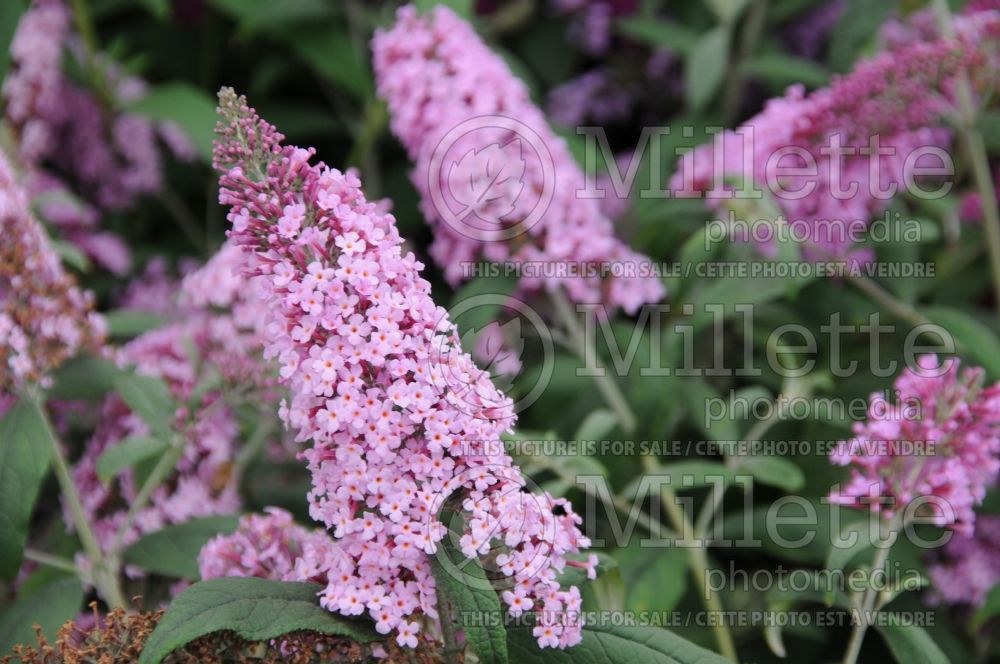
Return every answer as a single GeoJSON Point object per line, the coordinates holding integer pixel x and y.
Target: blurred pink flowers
{"type": "Point", "coordinates": [968, 567]}
{"type": "Point", "coordinates": [83, 153]}
{"type": "Point", "coordinates": [44, 317]}
{"type": "Point", "coordinates": [957, 423]}
{"type": "Point", "coordinates": [439, 78]}
{"type": "Point", "coordinates": [815, 153]}
{"type": "Point", "coordinates": [210, 360]}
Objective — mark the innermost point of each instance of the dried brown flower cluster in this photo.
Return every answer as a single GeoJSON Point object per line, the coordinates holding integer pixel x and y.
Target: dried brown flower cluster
{"type": "Point", "coordinates": [45, 317]}
{"type": "Point", "coordinates": [120, 637]}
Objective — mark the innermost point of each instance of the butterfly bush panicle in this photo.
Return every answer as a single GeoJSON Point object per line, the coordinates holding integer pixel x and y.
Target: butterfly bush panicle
{"type": "Point", "coordinates": [807, 36]}
{"type": "Point", "coordinates": [45, 318]}
{"type": "Point", "coordinates": [968, 566]}
{"type": "Point", "coordinates": [435, 74]}
{"type": "Point", "coordinates": [205, 358]}
{"type": "Point", "coordinates": [898, 98]}
{"type": "Point", "coordinates": [112, 154]}
{"type": "Point", "coordinates": [955, 423]}
{"type": "Point", "coordinates": [401, 420]}
{"type": "Point", "coordinates": [593, 96]}
{"type": "Point", "coordinates": [33, 88]}
{"type": "Point", "coordinates": [69, 138]}
{"type": "Point", "coordinates": [269, 546]}
{"type": "Point", "coordinates": [593, 20]}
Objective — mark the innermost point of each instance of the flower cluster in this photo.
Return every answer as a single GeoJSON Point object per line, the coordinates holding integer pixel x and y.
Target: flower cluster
{"type": "Point", "coordinates": [403, 424]}
{"type": "Point", "coordinates": [269, 546]}
{"type": "Point", "coordinates": [897, 98]}
{"type": "Point", "coordinates": [155, 289]}
{"type": "Point", "coordinates": [436, 74]}
{"type": "Point", "coordinates": [66, 132]}
{"type": "Point", "coordinates": [593, 21]}
{"type": "Point", "coordinates": [969, 565]}
{"type": "Point", "coordinates": [808, 34]}
{"type": "Point", "coordinates": [205, 359]}
{"type": "Point", "coordinates": [44, 316]}
{"type": "Point", "coordinates": [594, 96]}
{"type": "Point", "coordinates": [958, 427]}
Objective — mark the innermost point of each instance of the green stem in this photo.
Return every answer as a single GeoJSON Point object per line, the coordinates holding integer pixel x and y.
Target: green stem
{"type": "Point", "coordinates": [887, 300]}
{"type": "Point", "coordinates": [451, 647]}
{"type": "Point", "coordinates": [867, 605]}
{"type": "Point", "coordinates": [510, 17]}
{"type": "Point", "coordinates": [626, 418]}
{"type": "Point", "coordinates": [374, 117]}
{"type": "Point", "coordinates": [253, 447]}
{"type": "Point", "coordinates": [698, 562]}
{"type": "Point", "coordinates": [163, 468]}
{"type": "Point", "coordinates": [611, 503]}
{"type": "Point", "coordinates": [977, 155]}
{"type": "Point", "coordinates": [185, 218]}
{"type": "Point", "coordinates": [881, 296]}
{"type": "Point", "coordinates": [56, 562]}
{"type": "Point", "coordinates": [374, 121]}
{"type": "Point", "coordinates": [606, 384]}
{"type": "Point", "coordinates": [707, 515]}
{"type": "Point", "coordinates": [85, 26]}
{"type": "Point", "coordinates": [753, 27]}
{"type": "Point", "coordinates": [104, 576]}
{"type": "Point", "coordinates": [88, 35]}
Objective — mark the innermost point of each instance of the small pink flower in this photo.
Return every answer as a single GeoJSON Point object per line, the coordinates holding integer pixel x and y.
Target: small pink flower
{"type": "Point", "coordinates": [408, 634]}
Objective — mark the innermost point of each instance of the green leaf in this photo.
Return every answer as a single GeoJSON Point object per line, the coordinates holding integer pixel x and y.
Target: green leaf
{"type": "Point", "coordinates": [977, 340]}
{"type": "Point", "coordinates": [656, 578]}
{"type": "Point", "coordinates": [612, 645]}
{"type": "Point", "coordinates": [173, 551]}
{"type": "Point", "coordinates": [464, 8]}
{"type": "Point", "coordinates": [781, 70]}
{"type": "Point", "coordinates": [70, 255]}
{"type": "Point", "coordinates": [699, 397]}
{"type": "Point", "coordinates": [126, 454]}
{"type": "Point", "coordinates": [10, 15]}
{"type": "Point", "coordinates": [705, 67]}
{"type": "Point", "coordinates": [988, 123]}
{"type": "Point", "coordinates": [466, 594]}
{"type": "Point", "coordinates": [150, 399]}
{"type": "Point", "coordinates": [729, 292]}
{"type": "Point", "coordinates": [192, 109]}
{"type": "Point", "coordinates": [312, 30]}
{"type": "Point", "coordinates": [851, 542]}
{"type": "Point", "coordinates": [990, 608]}
{"type": "Point", "coordinates": [727, 11]}
{"type": "Point", "coordinates": [328, 51]}
{"type": "Point", "coordinates": [683, 475]}
{"type": "Point", "coordinates": [855, 32]}
{"type": "Point", "coordinates": [264, 16]}
{"type": "Point", "coordinates": [773, 471]}
{"type": "Point", "coordinates": [479, 303]}
{"type": "Point", "coordinates": [662, 34]}
{"type": "Point", "coordinates": [50, 606]}
{"type": "Point", "coordinates": [84, 378]}
{"type": "Point", "coordinates": [25, 453]}
{"type": "Point", "coordinates": [782, 532]}
{"type": "Point", "coordinates": [160, 9]}
{"type": "Point", "coordinates": [910, 643]}
{"type": "Point", "coordinates": [125, 323]}
{"type": "Point", "coordinates": [597, 425]}
{"type": "Point", "coordinates": [255, 609]}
